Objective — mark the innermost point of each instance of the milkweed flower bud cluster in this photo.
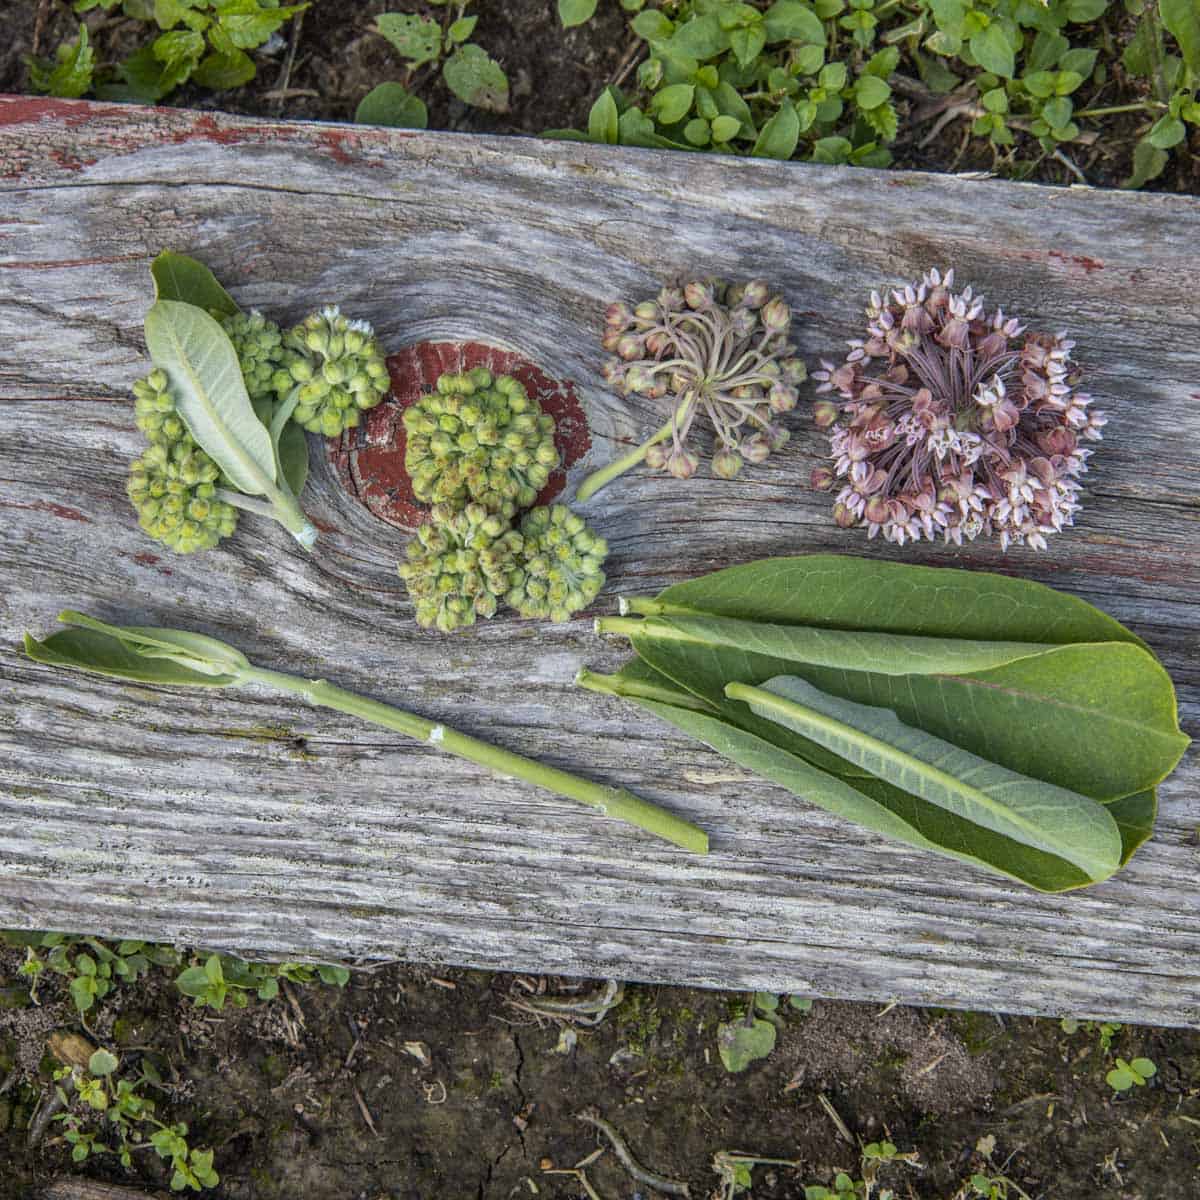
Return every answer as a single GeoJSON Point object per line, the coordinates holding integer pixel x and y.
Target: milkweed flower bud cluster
{"type": "Point", "coordinates": [708, 347]}
{"type": "Point", "coordinates": [480, 449]}
{"type": "Point", "coordinates": [173, 487]}
{"type": "Point", "coordinates": [340, 369]}
{"type": "Point", "coordinates": [460, 564]}
{"type": "Point", "coordinates": [954, 422]}
{"type": "Point", "coordinates": [558, 564]}
{"type": "Point", "coordinates": [260, 350]}
{"type": "Point", "coordinates": [479, 437]}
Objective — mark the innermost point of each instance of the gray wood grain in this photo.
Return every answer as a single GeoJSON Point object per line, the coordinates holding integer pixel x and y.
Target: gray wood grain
{"type": "Point", "coordinates": [238, 820]}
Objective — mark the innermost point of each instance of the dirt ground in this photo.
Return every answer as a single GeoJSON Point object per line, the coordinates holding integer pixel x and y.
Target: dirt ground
{"type": "Point", "coordinates": [410, 1085]}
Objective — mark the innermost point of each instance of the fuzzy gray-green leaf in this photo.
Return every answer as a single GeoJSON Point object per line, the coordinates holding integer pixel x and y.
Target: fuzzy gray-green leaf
{"type": "Point", "coordinates": [1027, 810]}
{"type": "Point", "coordinates": [210, 393]}
{"type": "Point", "coordinates": [875, 805]}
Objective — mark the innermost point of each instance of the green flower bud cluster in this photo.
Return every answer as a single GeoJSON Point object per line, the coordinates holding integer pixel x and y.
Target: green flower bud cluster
{"type": "Point", "coordinates": [558, 568]}
{"type": "Point", "coordinates": [154, 410]}
{"type": "Point", "coordinates": [460, 565]}
{"type": "Point", "coordinates": [173, 487]}
{"type": "Point", "coordinates": [479, 448]}
{"type": "Point", "coordinates": [479, 437]}
{"type": "Point", "coordinates": [340, 369]}
{"type": "Point", "coordinates": [260, 351]}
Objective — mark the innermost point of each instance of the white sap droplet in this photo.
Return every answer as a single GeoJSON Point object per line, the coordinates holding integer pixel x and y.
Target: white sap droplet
{"type": "Point", "coordinates": [437, 734]}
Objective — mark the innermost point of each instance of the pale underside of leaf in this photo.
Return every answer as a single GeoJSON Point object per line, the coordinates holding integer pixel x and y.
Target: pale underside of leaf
{"type": "Point", "coordinates": [210, 393]}
{"type": "Point", "coordinates": [1027, 810]}
{"type": "Point", "coordinates": [876, 805]}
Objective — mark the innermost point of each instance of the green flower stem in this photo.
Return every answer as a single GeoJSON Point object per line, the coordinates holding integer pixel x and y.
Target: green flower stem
{"type": "Point", "coordinates": [647, 606]}
{"type": "Point", "coordinates": [597, 479]}
{"type": "Point", "coordinates": [628, 627]}
{"type": "Point", "coordinates": [280, 505]}
{"type": "Point", "coordinates": [614, 685]}
{"type": "Point", "coordinates": [615, 802]}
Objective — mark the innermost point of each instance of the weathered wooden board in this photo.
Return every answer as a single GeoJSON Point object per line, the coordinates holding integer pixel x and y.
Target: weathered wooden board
{"type": "Point", "coordinates": [241, 821]}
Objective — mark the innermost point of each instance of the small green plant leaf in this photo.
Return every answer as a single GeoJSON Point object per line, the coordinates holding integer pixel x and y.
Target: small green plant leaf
{"type": "Point", "coordinates": [229, 69]}
{"type": "Point", "coordinates": [102, 1063]}
{"type": "Point", "coordinates": [417, 39]}
{"type": "Point", "coordinates": [210, 393]}
{"type": "Point", "coordinates": [673, 103]}
{"type": "Point", "coordinates": [70, 76]}
{"type": "Point", "coordinates": [993, 51]}
{"type": "Point", "coordinates": [393, 105]}
{"type": "Point", "coordinates": [1025, 810]}
{"type": "Point", "coordinates": [870, 91]}
{"type": "Point", "coordinates": [792, 21]}
{"type": "Point", "coordinates": [461, 29]}
{"type": "Point", "coordinates": [740, 1044]}
{"type": "Point", "coordinates": [476, 79]}
{"type": "Point", "coordinates": [575, 12]}
{"type": "Point", "coordinates": [780, 135]}
{"type": "Point", "coordinates": [604, 119]}
{"type": "Point", "coordinates": [179, 277]}
{"type": "Point", "coordinates": [1149, 162]}
{"type": "Point", "coordinates": [1182, 22]}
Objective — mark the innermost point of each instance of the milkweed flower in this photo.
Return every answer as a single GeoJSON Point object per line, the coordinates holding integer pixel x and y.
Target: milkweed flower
{"type": "Point", "coordinates": [954, 422]}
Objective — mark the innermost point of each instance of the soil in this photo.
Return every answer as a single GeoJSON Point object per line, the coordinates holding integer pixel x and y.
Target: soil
{"type": "Point", "coordinates": [411, 1085]}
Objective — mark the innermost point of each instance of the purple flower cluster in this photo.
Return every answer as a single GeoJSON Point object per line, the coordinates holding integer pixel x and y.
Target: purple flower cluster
{"type": "Point", "coordinates": [953, 421]}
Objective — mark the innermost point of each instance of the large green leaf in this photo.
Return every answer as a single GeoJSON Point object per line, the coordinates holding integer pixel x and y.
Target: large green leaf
{"type": "Point", "coordinates": [1031, 811]}
{"type": "Point", "coordinates": [210, 393]}
{"type": "Point", "coordinates": [875, 805]}
{"type": "Point", "coordinates": [152, 641]}
{"type": "Point", "coordinates": [1097, 719]}
{"type": "Point", "coordinates": [884, 653]}
{"type": "Point", "coordinates": [837, 591]}
{"type": "Point", "coordinates": [180, 277]}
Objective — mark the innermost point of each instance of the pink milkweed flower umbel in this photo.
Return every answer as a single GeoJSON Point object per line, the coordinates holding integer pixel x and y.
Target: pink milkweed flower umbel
{"type": "Point", "coordinates": [954, 422]}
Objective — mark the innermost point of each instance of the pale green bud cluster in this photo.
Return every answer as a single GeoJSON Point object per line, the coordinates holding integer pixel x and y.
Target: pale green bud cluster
{"type": "Point", "coordinates": [340, 369]}
{"type": "Point", "coordinates": [558, 568]}
{"type": "Point", "coordinates": [460, 565]}
{"type": "Point", "coordinates": [154, 410]}
{"type": "Point", "coordinates": [173, 487]}
{"type": "Point", "coordinates": [260, 351]}
{"type": "Point", "coordinates": [479, 437]}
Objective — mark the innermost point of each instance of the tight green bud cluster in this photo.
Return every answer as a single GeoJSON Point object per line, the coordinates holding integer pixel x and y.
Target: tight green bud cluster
{"type": "Point", "coordinates": [340, 369]}
{"type": "Point", "coordinates": [460, 565]}
{"type": "Point", "coordinates": [479, 437]}
{"type": "Point", "coordinates": [260, 351]}
{"type": "Point", "coordinates": [173, 486]}
{"type": "Point", "coordinates": [479, 448]}
{"type": "Point", "coordinates": [558, 569]}
{"type": "Point", "coordinates": [154, 410]}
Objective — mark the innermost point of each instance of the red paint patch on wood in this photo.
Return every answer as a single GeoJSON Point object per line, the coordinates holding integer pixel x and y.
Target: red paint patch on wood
{"type": "Point", "coordinates": [369, 459]}
{"type": "Point", "coordinates": [145, 559]}
{"type": "Point", "coordinates": [1080, 260]}
{"type": "Point", "coordinates": [20, 110]}
{"type": "Point", "coordinates": [57, 510]}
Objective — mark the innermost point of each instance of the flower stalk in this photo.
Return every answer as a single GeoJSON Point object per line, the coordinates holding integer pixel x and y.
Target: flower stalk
{"type": "Point", "coordinates": [170, 656]}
